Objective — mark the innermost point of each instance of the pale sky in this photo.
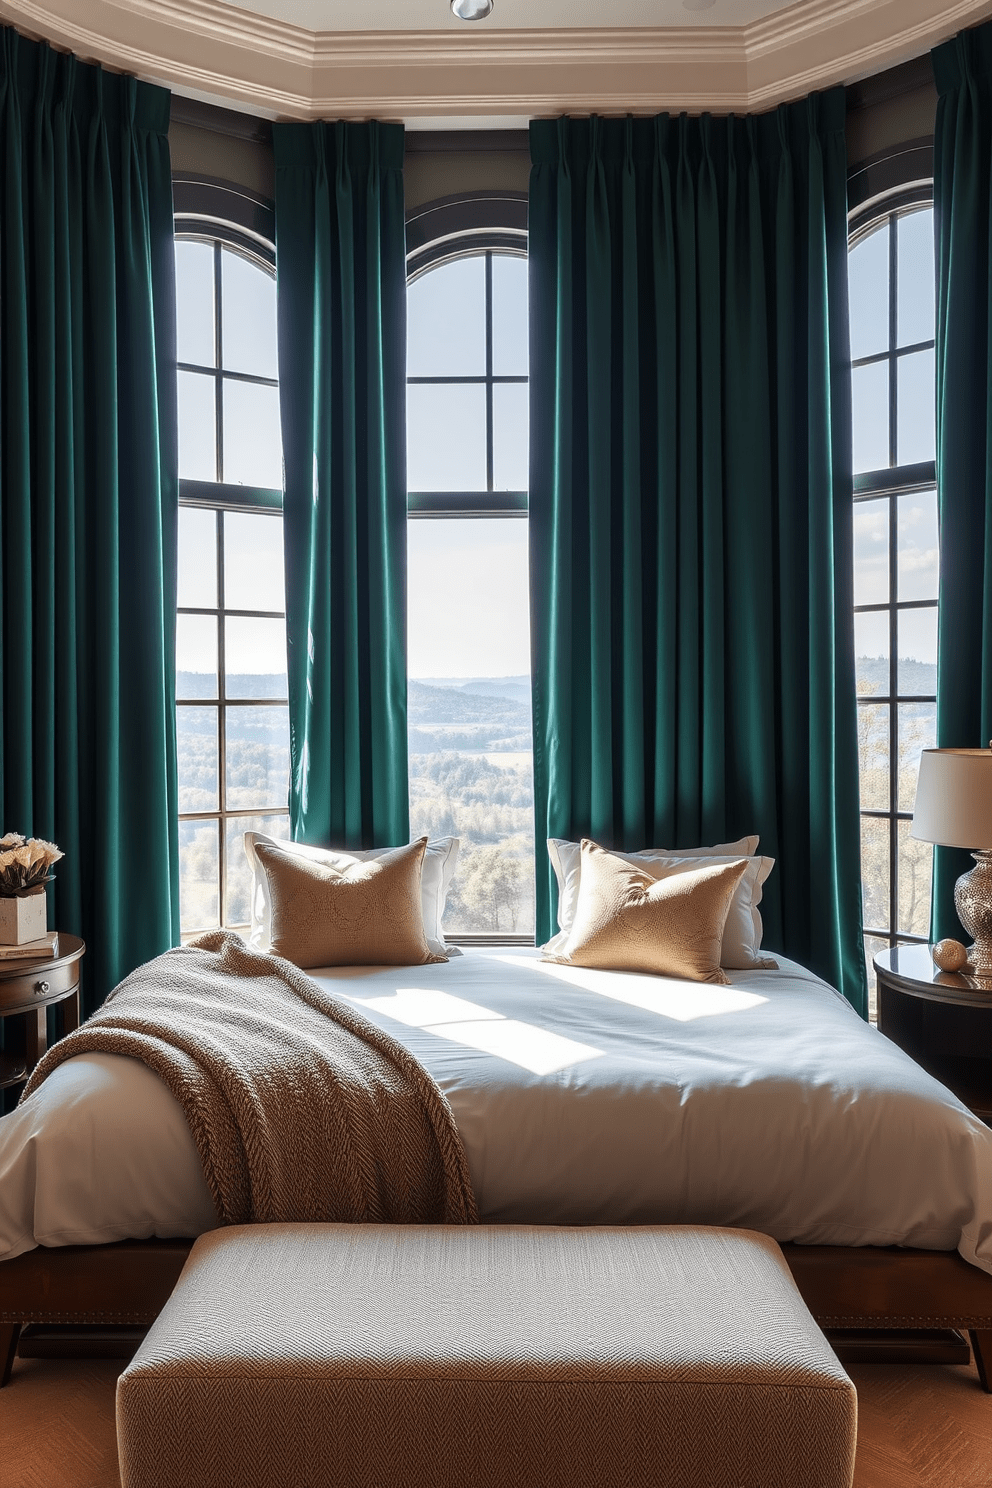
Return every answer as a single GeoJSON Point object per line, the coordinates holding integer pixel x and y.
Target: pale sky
{"type": "Point", "coordinates": [468, 606]}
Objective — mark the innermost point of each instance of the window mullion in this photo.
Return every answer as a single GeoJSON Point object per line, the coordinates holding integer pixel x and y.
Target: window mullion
{"type": "Point", "coordinates": [218, 374]}
{"type": "Point", "coordinates": [221, 724]}
{"type": "Point", "coordinates": [489, 372]}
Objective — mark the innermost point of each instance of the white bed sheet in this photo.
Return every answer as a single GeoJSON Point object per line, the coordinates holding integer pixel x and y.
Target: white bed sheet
{"type": "Point", "coordinates": [582, 1097]}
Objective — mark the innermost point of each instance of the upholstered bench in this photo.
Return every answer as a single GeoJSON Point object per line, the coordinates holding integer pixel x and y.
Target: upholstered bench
{"type": "Point", "coordinates": [366, 1356]}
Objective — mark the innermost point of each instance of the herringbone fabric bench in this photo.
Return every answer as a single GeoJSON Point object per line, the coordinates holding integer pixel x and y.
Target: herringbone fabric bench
{"type": "Point", "coordinates": [366, 1356]}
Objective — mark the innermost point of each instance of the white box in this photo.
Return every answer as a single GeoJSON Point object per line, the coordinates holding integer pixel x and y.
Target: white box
{"type": "Point", "coordinates": [24, 918]}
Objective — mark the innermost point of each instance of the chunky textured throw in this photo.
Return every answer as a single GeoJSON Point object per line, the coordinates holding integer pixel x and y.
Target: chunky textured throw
{"type": "Point", "coordinates": [300, 1108]}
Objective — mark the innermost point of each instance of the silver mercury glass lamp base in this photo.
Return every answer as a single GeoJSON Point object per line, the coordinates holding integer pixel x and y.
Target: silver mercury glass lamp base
{"type": "Point", "coordinates": [973, 902]}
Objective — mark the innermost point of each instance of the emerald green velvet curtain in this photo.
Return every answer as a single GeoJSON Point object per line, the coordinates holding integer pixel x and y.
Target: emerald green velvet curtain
{"type": "Point", "coordinates": [963, 215]}
{"type": "Point", "coordinates": [341, 288]}
{"type": "Point", "coordinates": [89, 486]}
{"type": "Point", "coordinates": [691, 520]}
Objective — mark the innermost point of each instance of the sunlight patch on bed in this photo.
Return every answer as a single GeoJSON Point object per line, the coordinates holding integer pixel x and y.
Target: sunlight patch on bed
{"type": "Point", "coordinates": [419, 1007]}
{"type": "Point", "coordinates": [534, 1049]}
{"type": "Point", "coordinates": [666, 996]}
{"type": "Point", "coordinates": [463, 1022]}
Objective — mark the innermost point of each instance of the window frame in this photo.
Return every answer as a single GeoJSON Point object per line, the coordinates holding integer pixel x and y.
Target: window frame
{"type": "Point", "coordinates": [470, 225]}
{"type": "Point", "coordinates": [882, 213]}
{"type": "Point", "coordinates": [226, 217]}
{"type": "Point", "coordinates": [473, 225]}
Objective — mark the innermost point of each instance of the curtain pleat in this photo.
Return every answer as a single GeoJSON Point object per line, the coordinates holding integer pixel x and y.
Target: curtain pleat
{"type": "Point", "coordinates": [89, 485]}
{"type": "Point", "coordinates": [963, 226]}
{"type": "Point", "coordinates": [341, 286]}
{"type": "Point", "coordinates": [691, 503]}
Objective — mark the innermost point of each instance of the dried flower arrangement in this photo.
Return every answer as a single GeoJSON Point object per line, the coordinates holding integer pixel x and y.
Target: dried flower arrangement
{"type": "Point", "coordinates": [24, 863]}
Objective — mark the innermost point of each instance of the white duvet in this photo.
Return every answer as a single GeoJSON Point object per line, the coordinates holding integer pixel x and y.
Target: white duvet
{"type": "Point", "coordinates": [582, 1097]}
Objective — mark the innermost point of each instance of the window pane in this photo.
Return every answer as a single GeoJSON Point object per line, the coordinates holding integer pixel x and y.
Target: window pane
{"type": "Point", "coordinates": [510, 349]}
{"type": "Point", "coordinates": [470, 720]}
{"type": "Point", "coordinates": [871, 654]}
{"type": "Point", "coordinates": [446, 438]}
{"type": "Point", "coordinates": [868, 276]}
{"type": "Point", "coordinates": [871, 552]}
{"type": "Point", "coordinates": [915, 411]}
{"type": "Point", "coordinates": [196, 656]}
{"type": "Point", "coordinates": [195, 303]}
{"type": "Point", "coordinates": [197, 427]}
{"type": "Point", "coordinates": [249, 317]}
{"type": "Point", "coordinates": [511, 447]}
{"type": "Point", "coordinates": [196, 743]}
{"type": "Point", "coordinates": [873, 755]}
{"type": "Point", "coordinates": [253, 561]}
{"type": "Point", "coordinates": [199, 869]}
{"type": "Point", "coordinates": [197, 558]}
{"type": "Point", "coordinates": [252, 437]}
{"type": "Point", "coordinates": [870, 392]}
{"type": "Point", "coordinates": [915, 879]}
{"type": "Point", "coordinates": [255, 658]}
{"type": "Point", "coordinates": [446, 323]}
{"type": "Point", "coordinates": [875, 871]}
{"type": "Point", "coordinates": [237, 910]}
{"type": "Point", "coordinates": [918, 551]}
{"type": "Point", "coordinates": [917, 672]}
{"type": "Point", "coordinates": [257, 764]}
{"type": "Point", "coordinates": [915, 315]}
{"type": "Point", "coordinates": [917, 731]}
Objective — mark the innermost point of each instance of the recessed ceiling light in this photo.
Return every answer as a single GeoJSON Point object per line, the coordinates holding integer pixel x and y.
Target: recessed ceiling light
{"type": "Point", "coordinates": [472, 10]}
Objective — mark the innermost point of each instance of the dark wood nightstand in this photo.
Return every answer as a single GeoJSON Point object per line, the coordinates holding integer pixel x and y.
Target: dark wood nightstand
{"type": "Point", "coordinates": [942, 1019]}
{"type": "Point", "coordinates": [27, 990]}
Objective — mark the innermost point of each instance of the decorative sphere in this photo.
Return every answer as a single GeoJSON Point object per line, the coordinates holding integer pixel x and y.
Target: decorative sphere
{"type": "Point", "coordinates": [950, 955]}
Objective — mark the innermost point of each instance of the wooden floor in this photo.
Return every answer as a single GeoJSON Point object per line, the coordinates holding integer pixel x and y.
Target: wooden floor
{"type": "Point", "coordinates": [925, 1426]}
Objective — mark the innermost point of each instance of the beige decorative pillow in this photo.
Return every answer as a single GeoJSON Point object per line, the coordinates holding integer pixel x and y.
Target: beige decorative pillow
{"type": "Point", "coordinates": [742, 932]}
{"type": "Point", "coordinates": [435, 878]}
{"type": "Point", "coordinates": [365, 914]}
{"type": "Point", "coordinates": [566, 860]}
{"type": "Point", "coordinates": [632, 918]}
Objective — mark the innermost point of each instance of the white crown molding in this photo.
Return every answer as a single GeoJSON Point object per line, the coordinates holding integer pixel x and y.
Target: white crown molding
{"type": "Point", "coordinates": [217, 51]}
{"type": "Point", "coordinates": [815, 45]}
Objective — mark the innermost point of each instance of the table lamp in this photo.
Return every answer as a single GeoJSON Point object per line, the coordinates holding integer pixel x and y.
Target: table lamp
{"type": "Point", "coordinates": [954, 809]}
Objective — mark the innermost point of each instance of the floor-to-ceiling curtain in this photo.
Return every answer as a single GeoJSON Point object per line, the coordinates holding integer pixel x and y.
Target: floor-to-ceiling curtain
{"type": "Point", "coordinates": [690, 497]}
{"type": "Point", "coordinates": [341, 286]}
{"type": "Point", "coordinates": [88, 482]}
{"type": "Point", "coordinates": [963, 224]}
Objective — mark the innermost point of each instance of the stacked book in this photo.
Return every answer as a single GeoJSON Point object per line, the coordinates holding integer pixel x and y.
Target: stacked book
{"type": "Point", "coordinates": [46, 946]}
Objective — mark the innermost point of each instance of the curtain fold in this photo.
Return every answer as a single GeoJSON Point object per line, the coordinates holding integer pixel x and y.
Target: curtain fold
{"type": "Point", "coordinates": [341, 287]}
{"type": "Point", "coordinates": [690, 497]}
{"type": "Point", "coordinates": [89, 485]}
{"type": "Point", "coordinates": [963, 227]}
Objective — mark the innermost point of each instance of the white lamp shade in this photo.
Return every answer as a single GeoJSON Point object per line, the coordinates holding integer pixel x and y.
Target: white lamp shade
{"type": "Point", "coordinates": [954, 798]}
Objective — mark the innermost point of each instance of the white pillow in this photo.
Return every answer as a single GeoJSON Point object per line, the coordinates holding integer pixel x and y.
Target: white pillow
{"type": "Point", "coordinates": [743, 929]}
{"type": "Point", "coordinates": [438, 866]}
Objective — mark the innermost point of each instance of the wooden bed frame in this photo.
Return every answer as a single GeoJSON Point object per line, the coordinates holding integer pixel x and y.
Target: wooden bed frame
{"type": "Point", "coordinates": [858, 1288]}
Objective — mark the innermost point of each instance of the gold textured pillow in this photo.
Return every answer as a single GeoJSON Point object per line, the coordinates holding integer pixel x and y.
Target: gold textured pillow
{"type": "Point", "coordinates": [668, 923]}
{"type": "Point", "coordinates": [368, 914]}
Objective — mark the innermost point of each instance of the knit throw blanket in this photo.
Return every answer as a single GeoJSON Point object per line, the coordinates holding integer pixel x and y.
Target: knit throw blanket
{"type": "Point", "coordinates": [299, 1107]}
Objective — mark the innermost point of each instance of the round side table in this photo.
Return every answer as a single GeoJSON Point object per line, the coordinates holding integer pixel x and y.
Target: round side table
{"type": "Point", "coordinates": [27, 990]}
{"type": "Point", "coordinates": [942, 1019]}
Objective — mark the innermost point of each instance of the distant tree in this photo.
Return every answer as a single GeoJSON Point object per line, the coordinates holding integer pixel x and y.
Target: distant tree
{"type": "Point", "coordinates": [491, 888]}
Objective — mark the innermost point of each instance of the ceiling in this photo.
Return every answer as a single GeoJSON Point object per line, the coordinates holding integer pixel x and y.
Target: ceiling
{"type": "Point", "coordinates": [413, 60]}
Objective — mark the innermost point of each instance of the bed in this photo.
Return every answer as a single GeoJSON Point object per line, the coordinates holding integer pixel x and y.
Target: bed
{"type": "Point", "coordinates": [581, 1096]}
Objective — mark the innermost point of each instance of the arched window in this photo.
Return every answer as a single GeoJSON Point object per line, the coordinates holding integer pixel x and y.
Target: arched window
{"type": "Point", "coordinates": [895, 554]}
{"type": "Point", "coordinates": [231, 691]}
{"type": "Point", "coordinates": [471, 761]}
